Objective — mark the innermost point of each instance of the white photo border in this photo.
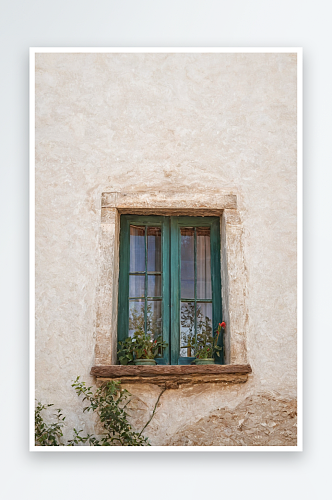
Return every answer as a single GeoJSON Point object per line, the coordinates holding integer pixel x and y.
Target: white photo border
{"type": "Point", "coordinates": [137, 50]}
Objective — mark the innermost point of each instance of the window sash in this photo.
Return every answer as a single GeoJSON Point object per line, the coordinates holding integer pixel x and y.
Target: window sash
{"type": "Point", "coordinates": [171, 288]}
{"type": "Point", "coordinates": [124, 273]}
{"type": "Point", "coordinates": [176, 223]}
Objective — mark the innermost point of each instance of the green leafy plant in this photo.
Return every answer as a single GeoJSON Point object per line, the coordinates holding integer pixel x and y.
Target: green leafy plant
{"type": "Point", "coordinates": [110, 403]}
{"type": "Point", "coordinates": [146, 341]}
{"type": "Point", "coordinates": [126, 351]}
{"type": "Point", "coordinates": [140, 346]}
{"type": "Point", "coordinates": [79, 440]}
{"type": "Point", "coordinates": [48, 434]}
{"type": "Point", "coordinates": [203, 345]}
{"type": "Point", "coordinates": [206, 345]}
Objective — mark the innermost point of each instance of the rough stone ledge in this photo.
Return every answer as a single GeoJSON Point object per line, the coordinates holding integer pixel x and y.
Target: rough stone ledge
{"type": "Point", "coordinates": [194, 212]}
{"type": "Point", "coordinates": [170, 200]}
{"type": "Point", "coordinates": [172, 376]}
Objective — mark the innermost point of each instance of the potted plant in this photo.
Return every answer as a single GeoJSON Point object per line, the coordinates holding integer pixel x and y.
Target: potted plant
{"type": "Point", "coordinates": [206, 346]}
{"type": "Point", "coordinates": [141, 349]}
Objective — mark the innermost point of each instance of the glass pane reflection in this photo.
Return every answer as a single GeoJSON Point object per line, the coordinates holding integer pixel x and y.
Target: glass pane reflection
{"type": "Point", "coordinates": [203, 264]}
{"type": "Point", "coordinates": [153, 323]}
{"type": "Point", "coordinates": [187, 263]}
{"type": "Point", "coordinates": [137, 249]}
{"type": "Point", "coordinates": [136, 316]}
{"type": "Point", "coordinates": [136, 286]}
{"type": "Point", "coordinates": [154, 285]}
{"type": "Point", "coordinates": [154, 249]}
{"type": "Point", "coordinates": [204, 319]}
{"type": "Point", "coordinates": [187, 329]}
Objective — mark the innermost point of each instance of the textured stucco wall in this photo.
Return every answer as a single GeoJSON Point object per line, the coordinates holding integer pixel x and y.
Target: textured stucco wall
{"type": "Point", "coordinates": [167, 122]}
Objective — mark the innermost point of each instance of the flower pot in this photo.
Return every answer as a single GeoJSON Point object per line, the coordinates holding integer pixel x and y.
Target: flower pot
{"type": "Point", "coordinates": [144, 362]}
{"type": "Point", "coordinates": [206, 361]}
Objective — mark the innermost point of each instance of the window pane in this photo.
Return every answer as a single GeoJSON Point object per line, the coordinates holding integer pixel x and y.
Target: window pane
{"type": "Point", "coordinates": [204, 322]}
{"type": "Point", "coordinates": [153, 322]}
{"type": "Point", "coordinates": [187, 329]}
{"type": "Point", "coordinates": [203, 263]}
{"type": "Point", "coordinates": [136, 316]}
{"type": "Point", "coordinates": [136, 286]}
{"type": "Point", "coordinates": [187, 263]}
{"type": "Point", "coordinates": [154, 249]}
{"type": "Point", "coordinates": [137, 249]}
{"type": "Point", "coordinates": [154, 285]}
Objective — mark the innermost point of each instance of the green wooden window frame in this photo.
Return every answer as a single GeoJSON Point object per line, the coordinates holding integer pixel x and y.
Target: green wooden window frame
{"type": "Point", "coordinates": [170, 272]}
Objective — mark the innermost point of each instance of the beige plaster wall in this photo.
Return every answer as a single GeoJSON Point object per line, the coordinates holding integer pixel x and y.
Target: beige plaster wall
{"type": "Point", "coordinates": [198, 123]}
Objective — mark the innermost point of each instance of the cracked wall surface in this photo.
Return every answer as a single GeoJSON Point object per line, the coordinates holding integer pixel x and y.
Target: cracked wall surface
{"type": "Point", "coordinates": [261, 420]}
{"type": "Point", "coordinates": [198, 124]}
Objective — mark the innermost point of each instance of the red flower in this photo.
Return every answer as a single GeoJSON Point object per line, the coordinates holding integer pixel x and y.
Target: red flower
{"type": "Point", "coordinates": [222, 325]}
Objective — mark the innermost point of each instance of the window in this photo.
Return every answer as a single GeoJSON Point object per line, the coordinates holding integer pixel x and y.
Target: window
{"type": "Point", "coordinates": [169, 281]}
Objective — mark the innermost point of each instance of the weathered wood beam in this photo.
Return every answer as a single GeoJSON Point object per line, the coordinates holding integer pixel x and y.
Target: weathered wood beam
{"type": "Point", "coordinates": [173, 376]}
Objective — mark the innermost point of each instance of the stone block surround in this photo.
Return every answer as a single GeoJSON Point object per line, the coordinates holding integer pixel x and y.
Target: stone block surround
{"type": "Point", "coordinates": [233, 269]}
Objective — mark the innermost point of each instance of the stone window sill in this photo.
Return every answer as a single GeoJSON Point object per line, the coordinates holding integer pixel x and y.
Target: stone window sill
{"type": "Point", "coordinates": [172, 376]}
